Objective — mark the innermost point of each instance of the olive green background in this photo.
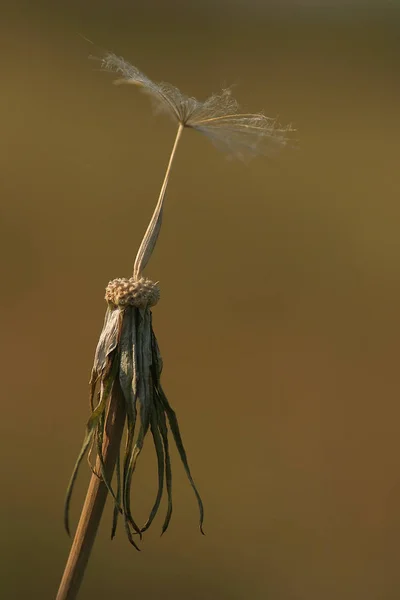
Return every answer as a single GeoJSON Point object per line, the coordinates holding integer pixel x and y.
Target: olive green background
{"type": "Point", "coordinates": [279, 320]}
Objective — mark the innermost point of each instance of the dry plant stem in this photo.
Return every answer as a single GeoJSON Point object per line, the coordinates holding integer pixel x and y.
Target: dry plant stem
{"type": "Point", "coordinates": [151, 235]}
{"type": "Point", "coordinates": [95, 500]}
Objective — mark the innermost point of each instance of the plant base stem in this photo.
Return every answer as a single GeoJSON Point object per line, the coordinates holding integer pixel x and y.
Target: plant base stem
{"type": "Point", "coordinates": [95, 500]}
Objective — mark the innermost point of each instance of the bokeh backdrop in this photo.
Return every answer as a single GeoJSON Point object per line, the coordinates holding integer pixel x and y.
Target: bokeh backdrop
{"type": "Point", "coordinates": [279, 320]}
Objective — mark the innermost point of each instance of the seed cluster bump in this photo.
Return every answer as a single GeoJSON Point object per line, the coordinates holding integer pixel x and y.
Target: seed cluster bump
{"type": "Point", "coordinates": [141, 293]}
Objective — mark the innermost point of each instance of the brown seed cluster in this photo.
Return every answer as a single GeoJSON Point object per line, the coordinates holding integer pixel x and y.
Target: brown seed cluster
{"type": "Point", "coordinates": [141, 293]}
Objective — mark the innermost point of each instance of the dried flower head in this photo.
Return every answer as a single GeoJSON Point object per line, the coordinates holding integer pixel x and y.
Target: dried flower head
{"type": "Point", "coordinates": [240, 134]}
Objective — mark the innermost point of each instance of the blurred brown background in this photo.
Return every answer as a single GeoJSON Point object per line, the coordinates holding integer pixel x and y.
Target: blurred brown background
{"type": "Point", "coordinates": [279, 320]}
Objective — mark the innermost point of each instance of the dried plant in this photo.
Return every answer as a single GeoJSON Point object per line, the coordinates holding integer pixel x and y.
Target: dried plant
{"type": "Point", "coordinates": [127, 366]}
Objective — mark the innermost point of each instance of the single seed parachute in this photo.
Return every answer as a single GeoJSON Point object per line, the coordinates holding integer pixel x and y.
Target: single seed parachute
{"type": "Point", "coordinates": [241, 135]}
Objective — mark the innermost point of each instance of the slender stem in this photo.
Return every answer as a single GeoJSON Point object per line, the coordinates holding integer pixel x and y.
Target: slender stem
{"type": "Point", "coordinates": [151, 235]}
{"type": "Point", "coordinates": [95, 500]}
